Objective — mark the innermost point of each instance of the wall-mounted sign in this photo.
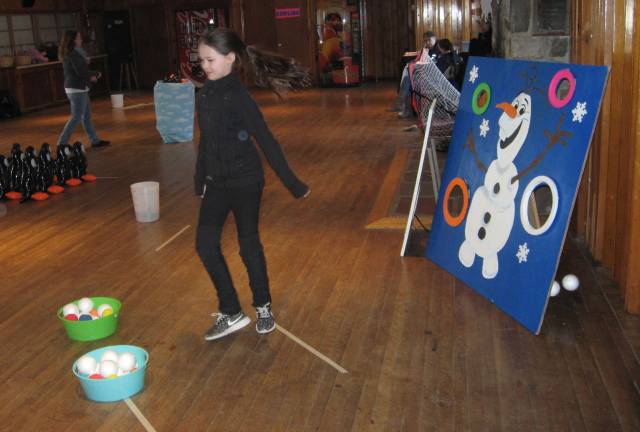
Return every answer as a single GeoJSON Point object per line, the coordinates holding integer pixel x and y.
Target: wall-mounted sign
{"type": "Point", "coordinates": [286, 13]}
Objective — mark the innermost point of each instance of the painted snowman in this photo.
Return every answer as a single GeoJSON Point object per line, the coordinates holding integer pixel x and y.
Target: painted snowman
{"type": "Point", "coordinates": [492, 209]}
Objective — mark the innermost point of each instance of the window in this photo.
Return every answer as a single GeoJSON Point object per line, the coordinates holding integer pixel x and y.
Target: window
{"type": "Point", "coordinates": [66, 21]}
{"type": "Point", "coordinates": [5, 40]}
{"type": "Point", "coordinates": [21, 32]}
{"type": "Point", "coordinates": [47, 29]}
{"type": "Point", "coordinates": [551, 17]}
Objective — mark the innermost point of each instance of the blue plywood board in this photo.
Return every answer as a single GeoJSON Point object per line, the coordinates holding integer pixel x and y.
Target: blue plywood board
{"type": "Point", "coordinates": [520, 126]}
{"type": "Point", "coordinates": [174, 110]}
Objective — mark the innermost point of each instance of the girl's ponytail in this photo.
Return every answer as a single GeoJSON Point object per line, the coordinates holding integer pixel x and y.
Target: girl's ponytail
{"type": "Point", "coordinates": [271, 70]}
{"type": "Point", "coordinates": [276, 72]}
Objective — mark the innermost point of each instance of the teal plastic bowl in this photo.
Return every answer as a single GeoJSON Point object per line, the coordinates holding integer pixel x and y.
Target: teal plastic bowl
{"type": "Point", "coordinates": [119, 388]}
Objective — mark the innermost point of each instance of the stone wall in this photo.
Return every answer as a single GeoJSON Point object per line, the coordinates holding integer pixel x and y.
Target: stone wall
{"type": "Point", "coordinates": [532, 29]}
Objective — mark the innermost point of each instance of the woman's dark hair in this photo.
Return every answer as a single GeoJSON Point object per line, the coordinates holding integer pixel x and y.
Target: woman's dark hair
{"type": "Point", "coordinates": [271, 70]}
{"type": "Point", "coordinates": [445, 45]}
{"type": "Point", "coordinates": [67, 44]}
{"type": "Point", "coordinates": [331, 15]}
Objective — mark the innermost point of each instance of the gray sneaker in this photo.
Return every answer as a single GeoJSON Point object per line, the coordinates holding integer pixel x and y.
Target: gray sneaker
{"type": "Point", "coordinates": [265, 322]}
{"type": "Point", "coordinates": [226, 324]}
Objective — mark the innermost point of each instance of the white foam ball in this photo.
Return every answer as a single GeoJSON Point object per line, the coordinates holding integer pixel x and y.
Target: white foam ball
{"type": "Point", "coordinates": [108, 368]}
{"type": "Point", "coordinates": [126, 361]}
{"type": "Point", "coordinates": [86, 365]}
{"type": "Point", "coordinates": [555, 289]}
{"type": "Point", "coordinates": [570, 282]}
{"type": "Point", "coordinates": [109, 355]}
{"type": "Point", "coordinates": [69, 309]}
{"type": "Point", "coordinates": [85, 305]}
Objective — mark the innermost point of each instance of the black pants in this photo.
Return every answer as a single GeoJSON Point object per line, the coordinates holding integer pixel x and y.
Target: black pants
{"type": "Point", "coordinates": [245, 205]}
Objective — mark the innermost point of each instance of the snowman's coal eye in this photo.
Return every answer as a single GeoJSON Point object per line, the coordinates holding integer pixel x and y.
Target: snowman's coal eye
{"type": "Point", "coordinates": [521, 110]}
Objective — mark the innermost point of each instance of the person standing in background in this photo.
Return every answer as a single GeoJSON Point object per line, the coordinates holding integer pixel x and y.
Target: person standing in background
{"type": "Point", "coordinates": [77, 78]}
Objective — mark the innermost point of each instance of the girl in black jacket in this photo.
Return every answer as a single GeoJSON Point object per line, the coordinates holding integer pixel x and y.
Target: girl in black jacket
{"type": "Point", "coordinates": [229, 175]}
{"type": "Point", "coordinates": [77, 78]}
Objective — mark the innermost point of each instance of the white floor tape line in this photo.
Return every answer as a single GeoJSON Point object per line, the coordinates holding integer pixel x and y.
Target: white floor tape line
{"type": "Point", "coordinates": [137, 105]}
{"type": "Point", "coordinates": [141, 418]}
{"type": "Point", "coordinates": [173, 237]}
{"type": "Point", "coordinates": [312, 350]}
{"type": "Point", "coordinates": [108, 177]}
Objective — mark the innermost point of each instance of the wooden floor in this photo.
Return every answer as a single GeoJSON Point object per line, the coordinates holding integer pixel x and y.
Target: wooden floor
{"type": "Point", "coordinates": [422, 351]}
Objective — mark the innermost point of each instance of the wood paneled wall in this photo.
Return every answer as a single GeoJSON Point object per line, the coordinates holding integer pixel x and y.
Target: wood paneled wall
{"type": "Point", "coordinates": [608, 209]}
{"type": "Point", "coordinates": [388, 31]}
{"type": "Point", "coordinates": [449, 19]}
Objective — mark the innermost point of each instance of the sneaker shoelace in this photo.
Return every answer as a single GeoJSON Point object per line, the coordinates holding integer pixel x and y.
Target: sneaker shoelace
{"type": "Point", "coordinates": [219, 317]}
{"type": "Point", "coordinates": [263, 312]}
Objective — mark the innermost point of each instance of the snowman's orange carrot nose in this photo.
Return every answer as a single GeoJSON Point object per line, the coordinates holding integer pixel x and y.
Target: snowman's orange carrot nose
{"type": "Point", "coordinates": [508, 108]}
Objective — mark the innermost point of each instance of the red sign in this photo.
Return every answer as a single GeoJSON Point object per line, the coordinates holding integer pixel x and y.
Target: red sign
{"type": "Point", "coordinates": [286, 13]}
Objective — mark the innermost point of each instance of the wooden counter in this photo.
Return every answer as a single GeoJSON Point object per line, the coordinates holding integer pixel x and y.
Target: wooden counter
{"type": "Point", "coordinates": [41, 85]}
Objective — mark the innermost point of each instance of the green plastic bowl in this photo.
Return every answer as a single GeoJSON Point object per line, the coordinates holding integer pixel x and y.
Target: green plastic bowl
{"type": "Point", "coordinates": [95, 329]}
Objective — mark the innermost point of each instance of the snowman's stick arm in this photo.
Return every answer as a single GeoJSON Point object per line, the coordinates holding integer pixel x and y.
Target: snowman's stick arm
{"type": "Point", "coordinates": [554, 138]}
{"type": "Point", "coordinates": [471, 144]}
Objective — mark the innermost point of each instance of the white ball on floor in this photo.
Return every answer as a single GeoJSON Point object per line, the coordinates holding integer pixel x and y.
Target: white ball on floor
{"type": "Point", "coordinates": [570, 282]}
{"type": "Point", "coordinates": [555, 289]}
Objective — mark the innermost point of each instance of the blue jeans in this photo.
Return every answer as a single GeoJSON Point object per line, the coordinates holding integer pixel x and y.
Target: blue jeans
{"type": "Point", "coordinates": [80, 112]}
{"type": "Point", "coordinates": [405, 83]}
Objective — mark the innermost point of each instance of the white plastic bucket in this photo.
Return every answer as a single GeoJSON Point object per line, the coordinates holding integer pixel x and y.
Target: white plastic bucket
{"type": "Point", "coordinates": [117, 100]}
{"type": "Point", "coordinates": [146, 201]}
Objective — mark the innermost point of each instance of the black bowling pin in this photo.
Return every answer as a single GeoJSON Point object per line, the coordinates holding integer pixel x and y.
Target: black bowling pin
{"type": "Point", "coordinates": [61, 165]}
{"type": "Point", "coordinates": [30, 164]}
{"type": "Point", "coordinates": [4, 176]}
{"type": "Point", "coordinates": [73, 167]}
{"type": "Point", "coordinates": [80, 158]}
{"type": "Point", "coordinates": [16, 169]}
{"type": "Point", "coordinates": [46, 164]}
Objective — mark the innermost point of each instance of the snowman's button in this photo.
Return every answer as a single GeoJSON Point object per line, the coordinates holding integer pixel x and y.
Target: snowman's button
{"type": "Point", "coordinates": [482, 233]}
{"type": "Point", "coordinates": [496, 188]}
{"type": "Point", "coordinates": [487, 217]}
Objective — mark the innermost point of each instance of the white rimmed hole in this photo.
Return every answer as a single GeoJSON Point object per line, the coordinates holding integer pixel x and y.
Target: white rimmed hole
{"type": "Point", "coordinates": [539, 205]}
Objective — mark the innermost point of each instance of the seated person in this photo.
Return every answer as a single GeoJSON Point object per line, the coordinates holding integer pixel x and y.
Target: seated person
{"type": "Point", "coordinates": [447, 61]}
{"type": "Point", "coordinates": [428, 50]}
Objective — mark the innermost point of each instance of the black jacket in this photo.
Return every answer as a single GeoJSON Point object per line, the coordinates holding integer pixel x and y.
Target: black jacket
{"type": "Point", "coordinates": [228, 117]}
{"type": "Point", "coordinates": [76, 71]}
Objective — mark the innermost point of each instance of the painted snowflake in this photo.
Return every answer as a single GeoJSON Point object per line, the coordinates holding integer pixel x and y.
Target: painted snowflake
{"type": "Point", "coordinates": [473, 74]}
{"type": "Point", "coordinates": [579, 111]}
{"type": "Point", "coordinates": [523, 253]}
{"type": "Point", "coordinates": [484, 128]}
